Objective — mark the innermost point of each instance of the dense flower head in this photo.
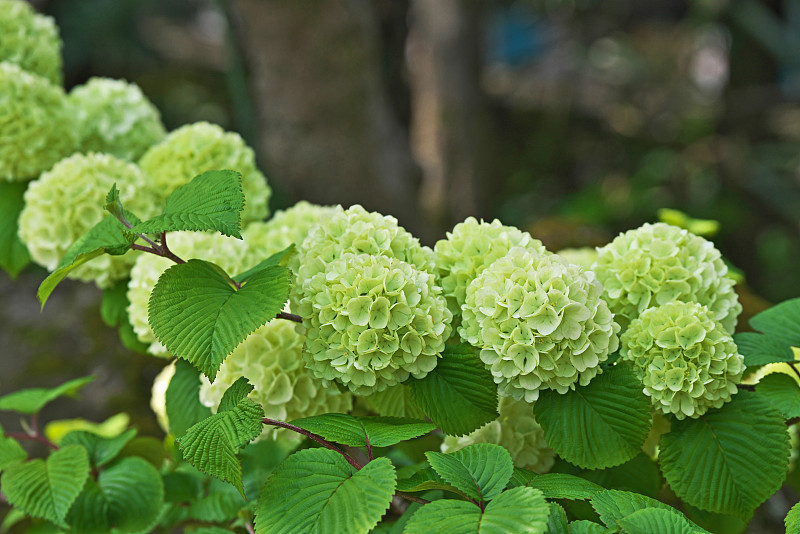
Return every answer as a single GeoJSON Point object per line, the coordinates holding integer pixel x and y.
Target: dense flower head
{"type": "Point", "coordinates": [271, 360]}
{"type": "Point", "coordinates": [515, 429]}
{"type": "Point", "coordinates": [540, 323]}
{"type": "Point", "coordinates": [67, 201]}
{"type": "Point", "coordinates": [583, 257]}
{"type": "Point", "coordinates": [658, 263]}
{"type": "Point", "coordinates": [36, 124]}
{"type": "Point", "coordinates": [30, 40]}
{"type": "Point", "coordinates": [684, 357]}
{"type": "Point", "coordinates": [371, 321]}
{"type": "Point", "coordinates": [115, 117]}
{"type": "Point", "coordinates": [469, 249]}
{"type": "Point", "coordinates": [199, 147]}
{"type": "Point", "coordinates": [227, 252]}
{"type": "Point", "coordinates": [284, 228]}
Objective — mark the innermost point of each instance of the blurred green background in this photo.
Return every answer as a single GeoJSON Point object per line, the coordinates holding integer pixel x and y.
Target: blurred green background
{"type": "Point", "coordinates": [573, 119]}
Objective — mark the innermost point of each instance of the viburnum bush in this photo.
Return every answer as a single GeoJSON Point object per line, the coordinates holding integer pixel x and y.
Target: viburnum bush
{"type": "Point", "coordinates": [325, 372]}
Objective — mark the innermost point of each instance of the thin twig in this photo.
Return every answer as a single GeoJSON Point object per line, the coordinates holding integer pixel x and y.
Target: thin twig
{"type": "Point", "coordinates": [166, 252]}
{"type": "Point", "coordinates": [311, 435]}
{"type": "Point", "coordinates": [32, 437]}
{"type": "Point", "coordinates": [412, 498]}
{"type": "Point", "coordinates": [289, 317]}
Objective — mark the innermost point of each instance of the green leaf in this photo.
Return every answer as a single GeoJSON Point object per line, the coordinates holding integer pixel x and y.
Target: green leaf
{"type": "Point", "coordinates": [557, 520]}
{"type": "Point", "coordinates": [217, 506]}
{"type": "Point", "coordinates": [184, 408]}
{"type": "Point", "coordinates": [656, 521]}
{"type": "Point", "coordinates": [425, 479]}
{"type": "Point", "coordinates": [612, 505]}
{"type": "Point", "coordinates": [782, 392]}
{"type": "Point", "coordinates": [584, 526]}
{"type": "Point", "coordinates": [555, 485]}
{"type": "Point", "coordinates": [11, 452]}
{"type": "Point", "coordinates": [211, 445]}
{"type": "Point", "coordinates": [211, 201]}
{"type": "Point", "coordinates": [780, 330]}
{"type": "Point", "coordinates": [742, 447]}
{"type": "Point", "coordinates": [481, 470]}
{"type": "Point", "coordinates": [127, 497]}
{"type": "Point", "coordinates": [47, 488]}
{"type": "Point", "coordinates": [792, 520]}
{"type": "Point", "coordinates": [279, 258]}
{"type": "Point", "coordinates": [394, 401]}
{"type": "Point", "coordinates": [459, 395]}
{"type": "Point", "coordinates": [638, 475]}
{"type": "Point", "coordinates": [114, 304]}
{"type": "Point", "coordinates": [31, 401]}
{"type": "Point", "coordinates": [610, 410]}
{"type": "Point", "coordinates": [235, 392]}
{"type": "Point", "coordinates": [355, 431]}
{"type": "Point", "coordinates": [13, 254]}
{"type": "Point", "coordinates": [182, 487]}
{"type": "Point", "coordinates": [518, 510]}
{"type": "Point", "coordinates": [317, 491]}
{"type": "Point", "coordinates": [101, 450]}
{"type": "Point", "coordinates": [198, 314]}
{"type": "Point", "coordinates": [108, 236]}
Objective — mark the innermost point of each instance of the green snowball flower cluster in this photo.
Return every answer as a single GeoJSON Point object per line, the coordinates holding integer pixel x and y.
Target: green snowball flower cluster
{"type": "Point", "coordinates": [37, 124]}
{"type": "Point", "coordinates": [271, 360]}
{"type": "Point", "coordinates": [469, 249]}
{"type": "Point", "coordinates": [30, 40]}
{"type": "Point", "coordinates": [685, 358]}
{"type": "Point", "coordinates": [284, 228]}
{"type": "Point", "coordinates": [540, 323]}
{"type": "Point", "coordinates": [517, 430]}
{"type": "Point", "coordinates": [227, 252]}
{"type": "Point", "coordinates": [371, 321]}
{"type": "Point", "coordinates": [658, 263]}
{"type": "Point", "coordinates": [67, 201]}
{"type": "Point", "coordinates": [583, 257]}
{"type": "Point", "coordinates": [199, 147]}
{"type": "Point", "coordinates": [115, 117]}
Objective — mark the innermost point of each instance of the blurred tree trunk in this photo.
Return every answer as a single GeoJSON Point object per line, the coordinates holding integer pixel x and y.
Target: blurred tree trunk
{"type": "Point", "coordinates": [451, 130]}
{"type": "Point", "coordinates": [328, 132]}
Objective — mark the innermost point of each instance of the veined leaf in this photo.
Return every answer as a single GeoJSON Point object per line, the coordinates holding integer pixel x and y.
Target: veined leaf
{"type": "Point", "coordinates": [518, 510]}
{"type": "Point", "coordinates": [611, 410]}
{"type": "Point", "coordinates": [657, 521]}
{"type": "Point", "coordinates": [101, 450]}
{"type": "Point", "coordinates": [279, 258]}
{"type": "Point", "coordinates": [584, 526]}
{"type": "Point", "coordinates": [425, 479]}
{"type": "Point", "coordinates": [555, 485]}
{"type": "Point", "coordinates": [211, 445]}
{"type": "Point", "coordinates": [196, 311]}
{"type": "Point", "coordinates": [47, 488]}
{"type": "Point", "coordinates": [743, 447]}
{"type": "Point", "coordinates": [11, 452]}
{"type": "Point", "coordinates": [459, 395]}
{"type": "Point", "coordinates": [31, 401]}
{"type": "Point", "coordinates": [13, 254]}
{"type": "Point", "coordinates": [638, 475]}
{"type": "Point", "coordinates": [316, 491]}
{"type": "Point", "coordinates": [780, 330]}
{"type": "Point", "coordinates": [211, 201]}
{"type": "Point", "coordinates": [625, 509]}
{"type": "Point", "coordinates": [127, 497]}
{"type": "Point", "coordinates": [108, 236]}
{"type": "Point", "coordinates": [481, 470]}
{"type": "Point", "coordinates": [792, 520]}
{"type": "Point", "coordinates": [782, 391]}
{"type": "Point", "coordinates": [557, 520]}
{"type": "Point", "coordinates": [355, 431]}
{"type": "Point", "coordinates": [219, 505]}
{"type": "Point", "coordinates": [240, 389]}
{"type": "Point", "coordinates": [394, 401]}
{"type": "Point", "coordinates": [184, 408]}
